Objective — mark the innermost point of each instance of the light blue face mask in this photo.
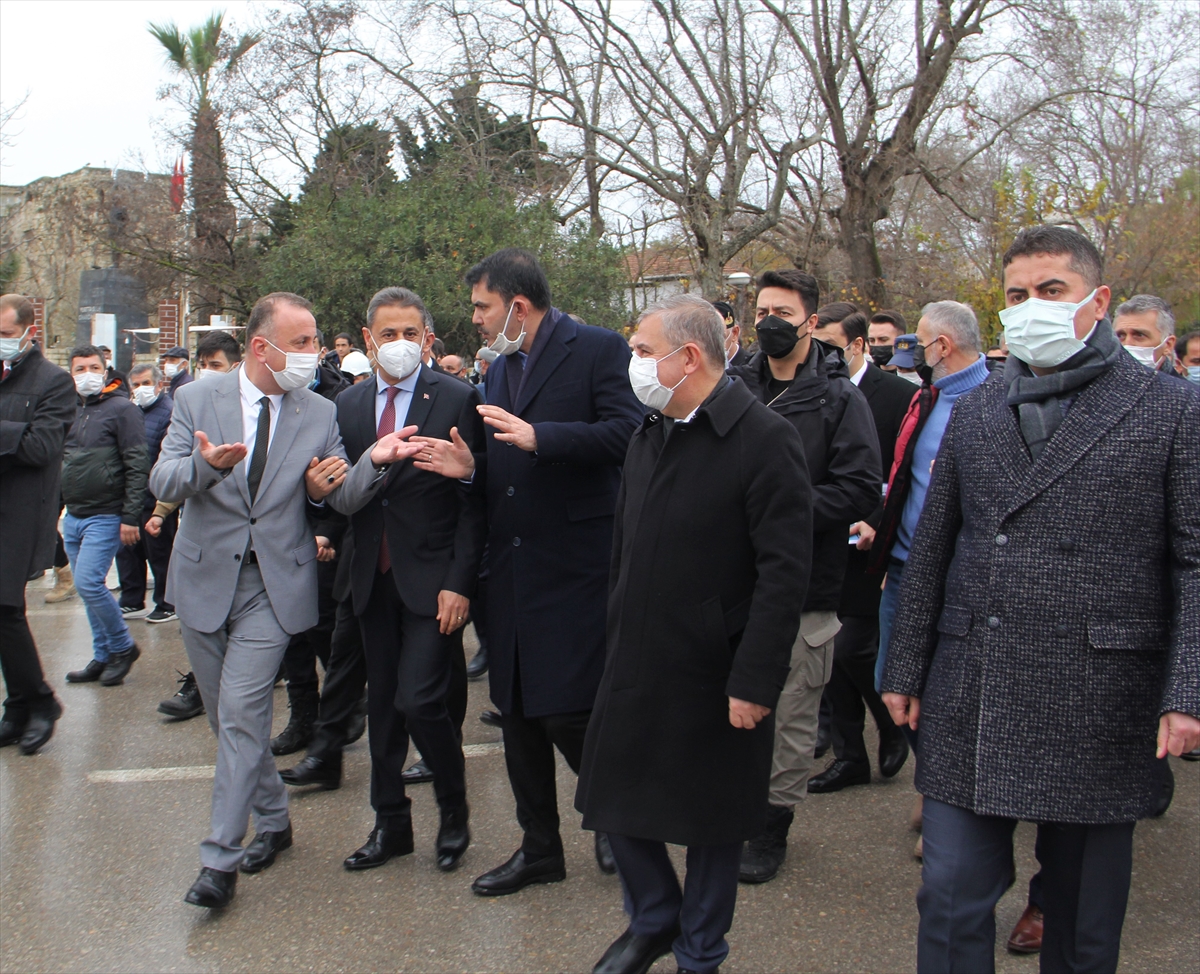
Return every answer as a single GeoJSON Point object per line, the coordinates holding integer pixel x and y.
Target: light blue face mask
{"type": "Point", "coordinates": [1194, 374]}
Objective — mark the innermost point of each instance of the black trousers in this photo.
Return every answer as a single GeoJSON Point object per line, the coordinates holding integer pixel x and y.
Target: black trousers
{"type": "Point", "coordinates": [28, 692]}
{"type": "Point", "coordinates": [133, 558]}
{"type": "Point", "coordinates": [408, 682]}
{"type": "Point", "coordinates": [305, 648]}
{"type": "Point", "coordinates": [345, 680]}
{"type": "Point", "coordinates": [851, 688]}
{"type": "Point", "coordinates": [529, 744]}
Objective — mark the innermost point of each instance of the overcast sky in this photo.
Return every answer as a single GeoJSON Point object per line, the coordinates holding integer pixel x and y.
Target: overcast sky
{"type": "Point", "coordinates": [92, 72]}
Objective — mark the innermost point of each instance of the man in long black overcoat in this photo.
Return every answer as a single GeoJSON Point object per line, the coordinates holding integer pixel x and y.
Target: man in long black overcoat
{"type": "Point", "coordinates": [1043, 641]}
{"type": "Point", "coordinates": [711, 553]}
{"type": "Point", "coordinates": [37, 406]}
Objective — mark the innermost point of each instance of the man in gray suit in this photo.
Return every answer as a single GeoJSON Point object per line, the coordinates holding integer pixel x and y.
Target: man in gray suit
{"type": "Point", "coordinates": [249, 452]}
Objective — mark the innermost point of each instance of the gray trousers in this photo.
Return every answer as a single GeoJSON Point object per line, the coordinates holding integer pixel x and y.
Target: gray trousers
{"type": "Point", "coordinates": [235, 670]}
{"type": "Point", "coordinates": [799, 706]}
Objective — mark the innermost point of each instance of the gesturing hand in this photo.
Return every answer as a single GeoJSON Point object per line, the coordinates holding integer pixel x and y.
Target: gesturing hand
{"type": "Point", "coordinates": [323, 477]}
{"type": "Point", "coordinates": [903, 708]}
{"type": "Point", "coordinates": [452, 611]}
{"type": "Point", "coordinates": [1177, 734]}
{"type": "Point", "coordinates": [394, 447]}
{"type": "Point", "coordinates": [450, 458]}
{"type": "Point", "coordinates": [512, 429]}
{"type": "Point", "coordinates": [223, 457]}
{"type": "Point", "coordinates": [746, 715]}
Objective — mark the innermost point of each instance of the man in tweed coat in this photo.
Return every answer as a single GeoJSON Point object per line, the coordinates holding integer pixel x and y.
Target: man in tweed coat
{"type": "Point", "coordinates": [1040, 650]}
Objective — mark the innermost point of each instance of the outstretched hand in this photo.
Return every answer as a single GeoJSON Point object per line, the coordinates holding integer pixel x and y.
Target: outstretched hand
{"type": "Point", "coordinates": [394, 447]}
{"type": "Point", "coordinates": [509, 428]}
{"type": "Point", "coordinates": [225, 456]}
{"type": "Point", "coordinates": [450, 458]}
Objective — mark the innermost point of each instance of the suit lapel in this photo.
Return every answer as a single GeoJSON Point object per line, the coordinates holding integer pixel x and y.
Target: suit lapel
{"type": "Point", "coordinates": [1097, 409]}
{"type": "Point", "coordinates": [291, 416]}
{"type": "Point", "coordinates": [551, 357]}
{"type": "Point", "coordinates": [368, 429]}
{"type": "Point", "coordinates": [424, 393]}
{"type": "Point", "coordinates": [227, 404]}
{"type": "Point", "coordinates": [1001, 422]}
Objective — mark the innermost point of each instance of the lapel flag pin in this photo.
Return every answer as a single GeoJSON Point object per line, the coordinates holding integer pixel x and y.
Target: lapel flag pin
{"type": "Point", "coordinates": [426, 395]}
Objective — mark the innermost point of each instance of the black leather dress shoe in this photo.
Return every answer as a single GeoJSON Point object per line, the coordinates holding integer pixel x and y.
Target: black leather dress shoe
{"type": "Point", "coordinates": [10, 731]}
{"type": "Point", "coordinates": [418, 774]}
{"type": "Point", "coordinates": [39, 729]}
{"type": "Point", "coordinates": [313, 770]}
{"type": "Point", "coordinates": [478, 665]}
{"type": "Point", "coordinates": [893, 752]}
{"type": "Point", "coordinates": [380, 846]}
{"type": "Point", "coordinates": [213, 889]}
{"type": "Point", "coordinates": [635, 953]}
{"type": "Point", "coordinates": [491, 718]}
{"type": "Point", "coordinates": [118, 667]}
{"type": "Point", "coordinates": [356, 723]}
{"type": "Point", "coordinates": [266, 846]}
{"type": "Point", "coordinates": [518, 873]}
{"type": "Point", "coordinates": [89, 674]}
{"type": "Point", "coordinates": [604, 856]}
{"type": "Point", "coordinates": [839, 775]}
{"type": "Point", "coordinates": [453, 838]}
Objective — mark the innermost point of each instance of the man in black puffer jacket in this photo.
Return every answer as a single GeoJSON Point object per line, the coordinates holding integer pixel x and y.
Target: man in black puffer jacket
{"type": "Point", "coordinates": [103, 485]}
{"type": "Point", "coordinates": [808, 384]}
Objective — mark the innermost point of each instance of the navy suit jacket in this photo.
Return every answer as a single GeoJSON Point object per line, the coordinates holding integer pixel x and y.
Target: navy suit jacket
{"type": "Point", "coordinates": [550, 516]}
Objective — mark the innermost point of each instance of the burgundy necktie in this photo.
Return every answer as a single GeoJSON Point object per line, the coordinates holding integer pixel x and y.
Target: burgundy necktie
{"type": "Point", "coordinates": [387, 424]}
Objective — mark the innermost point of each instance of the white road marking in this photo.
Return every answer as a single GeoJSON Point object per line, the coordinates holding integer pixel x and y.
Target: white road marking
{"type": "Point", "coordinates": [201, 771]}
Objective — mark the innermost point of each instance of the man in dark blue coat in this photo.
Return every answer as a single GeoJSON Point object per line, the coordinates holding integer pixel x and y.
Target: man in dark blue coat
{"type": "Point", "coordinates": [559, 413]}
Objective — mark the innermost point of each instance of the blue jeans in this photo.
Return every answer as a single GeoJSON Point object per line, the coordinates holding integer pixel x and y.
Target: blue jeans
{"type": "Point", "coordinates": [91, 544]}
{"type": "Point", "coordinates": [968, 865]}
{"type": "Point", "coordinates": [889, 601]}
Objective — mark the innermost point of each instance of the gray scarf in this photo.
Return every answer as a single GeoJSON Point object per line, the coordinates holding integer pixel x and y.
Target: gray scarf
{"type": "Point", "coordinates": [1042, 400]}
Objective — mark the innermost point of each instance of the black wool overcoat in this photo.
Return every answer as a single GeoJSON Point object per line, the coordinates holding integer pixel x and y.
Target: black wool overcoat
{"type": "Point", "coordinates": [711, 555]}
{"type": "Point", "coordinates": [1050, 610]}
{"type": "Point", "coordinates": [38, 404]}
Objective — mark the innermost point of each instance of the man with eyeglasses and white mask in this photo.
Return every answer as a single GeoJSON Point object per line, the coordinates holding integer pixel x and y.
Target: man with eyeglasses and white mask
{"type": "Point", "coordinates": [1045, 658]}
{"type": "Point", "coordinates": [250, 451]}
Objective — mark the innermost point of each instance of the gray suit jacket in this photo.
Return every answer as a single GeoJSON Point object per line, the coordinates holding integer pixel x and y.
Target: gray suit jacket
{"type": "Point", "coordinates": [219, 523]}
{"type": "Point", "coordinates": [1050, 610]}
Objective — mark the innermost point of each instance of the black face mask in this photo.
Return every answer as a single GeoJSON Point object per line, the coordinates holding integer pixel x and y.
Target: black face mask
{"type": "Point", "coordinates": [924, 370]}
{"type": "Point", "coordinates": [881, 354]}
{"type": "Point", "coordinates": [776, 336]}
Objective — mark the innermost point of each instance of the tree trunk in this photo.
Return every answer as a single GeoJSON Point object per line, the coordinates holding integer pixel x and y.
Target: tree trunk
{"type": "Point", "coordinates": [856, 222]}
{"type": "Point", "coordinates": [214, 217]}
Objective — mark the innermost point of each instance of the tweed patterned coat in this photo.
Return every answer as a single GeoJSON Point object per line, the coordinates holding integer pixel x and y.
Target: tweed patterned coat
{"type": "Point", "coordinates": [1050, 611]}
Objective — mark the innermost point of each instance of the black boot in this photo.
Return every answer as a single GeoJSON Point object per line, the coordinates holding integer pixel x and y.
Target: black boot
{"type": "Point", "coordinates": [763, 855]}
{"type": "Point", "coordinates": [478, 667]}
{"type": "Point", "coordinates": [186, 703]}
{"type": "Point", "coordinates": [356, 723]}
{"type": "Point", "coordinates": [297, 734]}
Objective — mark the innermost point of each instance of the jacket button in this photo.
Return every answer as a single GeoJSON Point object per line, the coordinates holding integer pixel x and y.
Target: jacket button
{"type": "Point", "coordinates": [384, 502]}
{"type": "Point", "coordinates": [237, 557]}
{"type": "Point", "coordinates": [1061, 630]}
{"type": "Point", "coordinates": [1066, 544]}
{"type": "Point", "coordinates": [511, 491]}
{"type": "Point", "coordinates": [516, 542]}
{"type": "Point", "coordinates": [253, 520]}
{"type": "Point", "coordinates": [1002, 539]}
{"type": "Point", "coordinates": [993, 622]}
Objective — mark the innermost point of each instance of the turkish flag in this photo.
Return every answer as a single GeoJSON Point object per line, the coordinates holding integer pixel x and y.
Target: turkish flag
{"type": "Point", "coordinates": [178, 181]}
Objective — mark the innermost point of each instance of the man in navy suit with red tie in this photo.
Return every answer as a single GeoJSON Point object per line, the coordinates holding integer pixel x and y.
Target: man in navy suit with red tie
{"type": "Point", "coordinates": [417, 548]}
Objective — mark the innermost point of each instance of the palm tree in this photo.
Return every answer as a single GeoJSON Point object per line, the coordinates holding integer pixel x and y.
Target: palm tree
{"type": "Point", "coordinates": [197, 56]}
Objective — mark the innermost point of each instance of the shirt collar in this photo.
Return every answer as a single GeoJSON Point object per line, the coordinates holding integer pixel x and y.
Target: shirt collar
{"type": "Point", "coordinates": [407, 384]}
{"type": "Point", "coordinates": [252, 393]}
{"type": "Point", "coordinates": [858, 376]}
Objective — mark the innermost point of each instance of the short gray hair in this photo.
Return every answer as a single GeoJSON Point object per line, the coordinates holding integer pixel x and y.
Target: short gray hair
{"type": "Point", "coordinates": [956, 321]}
{"type": "Point", "coordinates": [688, 318]}
{"type": "Point", "coordinates": [400, 297]}
{"type": "Point", "coordinates": [1148, 302]}
{"type": "Point", "coordinates": [154, 370]}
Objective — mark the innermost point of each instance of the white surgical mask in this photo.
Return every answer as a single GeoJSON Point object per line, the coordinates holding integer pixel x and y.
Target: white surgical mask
{"type": "Point", "coordinates": [643, 376]}
{"type": "Point", "coordinates": [1143, 354]}
{"type": "Point", "coordinates": [297, 371]}
{"type": "Point", "coordinates": [399, 358]}
{"type": "Point", "coordinates": [10, 348]}
{"type": "Point", "coordinates": [89, 383]}
{"type": "Point", "coordinates": [506, 346]}
{"type": "Point", "coordinates": [202, 374]}
{"type": "Point", "coordinates": [171, 369]}
{"type": "Point", "coordinates": [1042, 333]}
{"type": "Point", "coordinates": [1194, 374]}
{"type": "Point", "coordinates": [913, 377]}
{"type": "Point", "coordinates": [145, 396]}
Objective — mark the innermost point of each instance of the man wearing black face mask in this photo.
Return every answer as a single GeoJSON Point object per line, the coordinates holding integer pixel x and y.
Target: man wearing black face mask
{"type": "Point", "coordinates": [884, 328]}
{"type": "Point", "coordinates": [808, 384]}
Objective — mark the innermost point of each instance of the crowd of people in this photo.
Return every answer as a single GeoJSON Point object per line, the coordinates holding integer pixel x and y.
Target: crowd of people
{"type": "Point", "coordinates": [693, 568]}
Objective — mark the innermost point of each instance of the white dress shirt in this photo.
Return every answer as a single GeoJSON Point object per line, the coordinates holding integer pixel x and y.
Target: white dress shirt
{"type": "Point", "coordinates": [403, 397]}
{"type": "Point", "coordinates": [251, 395]}
{"type": "Point", "coordinates": [857, 377]}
